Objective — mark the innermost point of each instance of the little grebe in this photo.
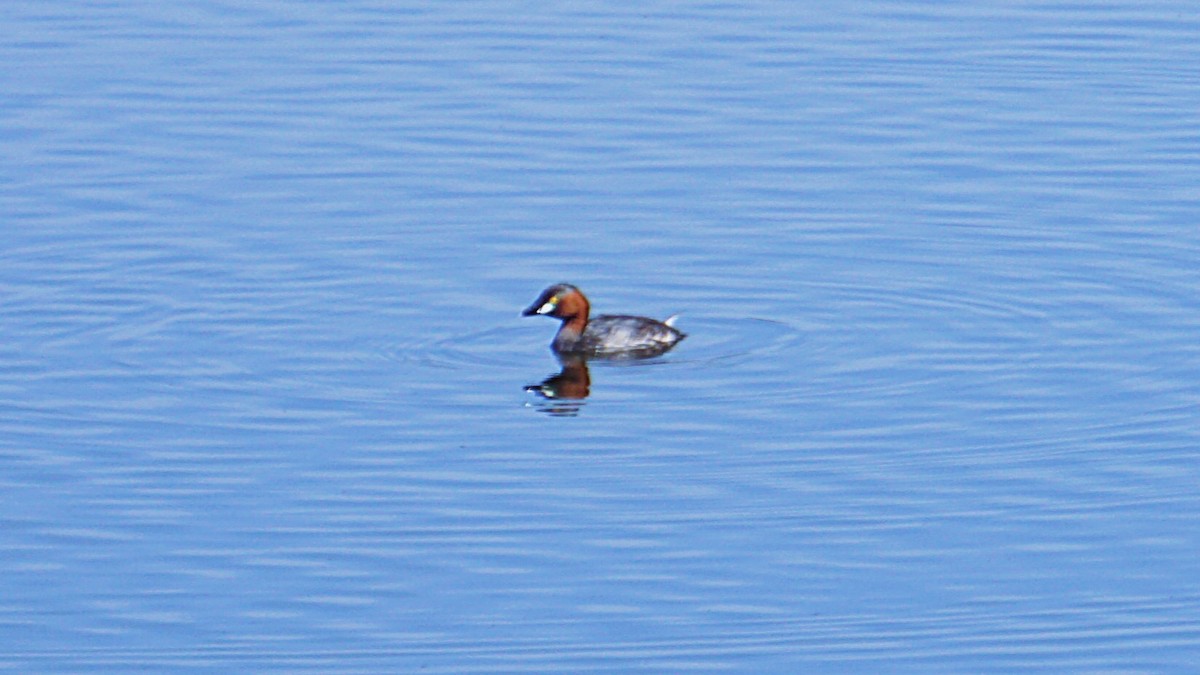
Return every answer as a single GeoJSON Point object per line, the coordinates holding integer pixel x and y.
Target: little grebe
{"type": "Point", "coordinates": [604, 335]}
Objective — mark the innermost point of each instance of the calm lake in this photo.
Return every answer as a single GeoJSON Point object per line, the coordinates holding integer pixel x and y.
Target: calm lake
{"type": "Point", "coordinates": [266, 402]}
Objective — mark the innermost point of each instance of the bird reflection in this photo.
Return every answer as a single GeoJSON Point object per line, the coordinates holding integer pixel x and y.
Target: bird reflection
{"type": "Point", "coordinates": [563, 394]}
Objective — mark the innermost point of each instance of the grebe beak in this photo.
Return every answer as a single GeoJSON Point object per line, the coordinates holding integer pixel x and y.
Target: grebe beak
{"type": "Point", "coordinates": [544, 308]}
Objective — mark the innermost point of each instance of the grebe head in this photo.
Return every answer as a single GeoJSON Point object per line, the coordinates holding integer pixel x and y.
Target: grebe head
{"type": "Point", "coordinates": [561, 301]}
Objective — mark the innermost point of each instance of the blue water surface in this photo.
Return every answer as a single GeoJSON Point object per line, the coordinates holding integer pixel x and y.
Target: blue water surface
{"type": "Point", "coordinates": [266, 403]}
